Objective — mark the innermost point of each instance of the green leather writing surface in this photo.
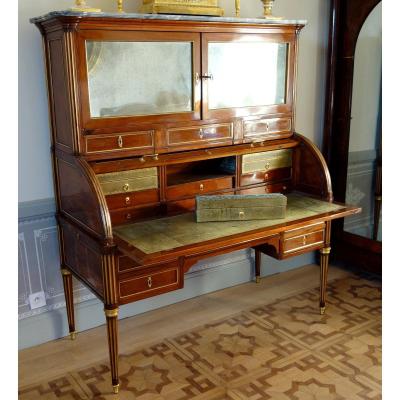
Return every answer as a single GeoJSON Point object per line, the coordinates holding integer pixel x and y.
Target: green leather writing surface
{"type": "Point", "coordinates": [181, 230]}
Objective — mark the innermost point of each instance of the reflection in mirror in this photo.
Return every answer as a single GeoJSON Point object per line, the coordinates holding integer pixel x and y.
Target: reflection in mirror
{"type": "Point", "coordinates": [139, 78]}
{"type": "Point", "coordinates": [365, 161]}
{"type": "Point", "coordinates": [246, 74]}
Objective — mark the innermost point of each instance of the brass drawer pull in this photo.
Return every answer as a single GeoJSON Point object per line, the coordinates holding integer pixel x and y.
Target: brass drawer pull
{"type": "Point", "coordinates": [127, 200]}
{"type": "Point", "coordinates": [201, 133]}
{"type": "Point", "coordinates": [126, 187]}
{"type": "Point", "coordinates": [120, 142]}
{"type": "Point", "coordinates": [149, 282]}
{"type": "Point", "coordinates": [241, 214]}
{"type": "Point", "coordinates": [128, 216]}
{"type": "Point", "coordinates": [201, 187]}
{"type": "Point", "coordinates": [143, 158]}
{"type": "Point", "coordinates": [267, 165]}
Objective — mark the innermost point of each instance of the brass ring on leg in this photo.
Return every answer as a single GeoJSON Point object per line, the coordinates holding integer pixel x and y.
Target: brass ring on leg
{"type": "Point", "coordinates": [322, 310]}
{"type": "Point", "coordinates": [72, 335]}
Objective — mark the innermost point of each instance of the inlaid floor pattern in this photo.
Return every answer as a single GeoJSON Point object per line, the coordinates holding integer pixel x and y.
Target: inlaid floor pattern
{"type": "Point", "coordinates": [280, 351]}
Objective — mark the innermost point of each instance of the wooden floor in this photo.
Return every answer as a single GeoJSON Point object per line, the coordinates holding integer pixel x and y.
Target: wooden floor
{"type": "Point", "coordinates": [52, 359]}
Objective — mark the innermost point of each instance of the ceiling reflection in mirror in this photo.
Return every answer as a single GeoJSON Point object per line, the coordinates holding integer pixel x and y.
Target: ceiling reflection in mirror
{"type": "Point", "coordinates": [139, 78]}
{"type": "Point", "coordinates": [364, 184]}
{"type": "Point", "coordinates": [246, 74]}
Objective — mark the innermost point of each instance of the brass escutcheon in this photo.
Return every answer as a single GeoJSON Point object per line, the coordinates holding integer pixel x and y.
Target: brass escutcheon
{"type": "Point", "coordinates": [120, 142]}
{"type": "Point", "coordinates": [149, 282]}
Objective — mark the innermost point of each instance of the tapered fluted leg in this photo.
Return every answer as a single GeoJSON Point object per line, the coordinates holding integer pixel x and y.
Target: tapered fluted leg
{"type": "Point", "coordinates": [257, 265]}
{"type": "Point", "coordinates": [112, 333]}
{"type": "Point", "coordinates": [324, 263]}
{"type": "Point", "coordinates": [69, 300]}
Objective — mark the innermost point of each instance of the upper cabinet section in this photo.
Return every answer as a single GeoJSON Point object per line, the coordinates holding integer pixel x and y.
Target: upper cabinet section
{"type": "Point", "coordinates": [247, 74]}
{"type": "Point", "coordinates": [138, 76]}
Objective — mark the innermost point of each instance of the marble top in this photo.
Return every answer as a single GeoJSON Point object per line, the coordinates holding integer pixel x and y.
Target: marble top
{"type": "Point", "coordinates": [172, 232]}
{"type": "Point", "coordinates": [165, 17]}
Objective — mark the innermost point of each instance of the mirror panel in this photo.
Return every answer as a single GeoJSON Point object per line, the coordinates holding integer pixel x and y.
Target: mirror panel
{"type": "Point", "coordinates": [246, 74]}
{"type": "Point", "coordinates": [364, 158]}
{"type": "Point", "coordinates": [139, 78]}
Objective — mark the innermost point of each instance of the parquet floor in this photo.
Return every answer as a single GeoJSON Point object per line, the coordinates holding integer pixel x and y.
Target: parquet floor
{"type": "Point", "coordinates": [280, 350]}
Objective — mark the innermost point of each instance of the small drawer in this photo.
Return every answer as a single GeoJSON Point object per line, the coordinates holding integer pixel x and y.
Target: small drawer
{"type": "Point", "coordinates": [129, 181]}
{"type": "Point", "coordinates": [267, 128]}
{"type": "Point", "coordinates": [136, 142]}
{"type": "Point", "coordinates": [205, 135]}
{"type": "Point", "coordinates": [132, 199]}
{"type": "Point", "coordinates": [148, 285]}
{"type": "Point", "coordinates": [252, 178]}
{"type": "Point", "coordinates": [280, 187]}
{"type": "Point", "coordinates": [123, 216]}
{"type": "Point", "coordinates": [303, 239]}
{"type": "Point", "coordinates": [191, 189]}
{"type": "Point", "coordinates": [266, 161]}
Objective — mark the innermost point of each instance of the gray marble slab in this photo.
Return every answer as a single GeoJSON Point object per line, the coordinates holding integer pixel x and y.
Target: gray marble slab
{"type": "Point", "coordinates": [165, 17]}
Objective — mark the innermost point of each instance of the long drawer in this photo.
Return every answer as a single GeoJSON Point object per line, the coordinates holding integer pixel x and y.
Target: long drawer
{"type": "Point", "coordinates": [267, 128]}
{"type": "Point", "coordinates": [200, 136]}
{"type": "Point", "coordinates": [252, 178]}
{"type": "Point", "coordinates": [136, 142]}
{"type": "Point", "coordinates": [129, 181]}
{"type": "Point", "coordinates": [192, 189]}
{"type": "Point", "coordinates": [150, 284]}
{"type": "Point", "coordinates": [266, 161]}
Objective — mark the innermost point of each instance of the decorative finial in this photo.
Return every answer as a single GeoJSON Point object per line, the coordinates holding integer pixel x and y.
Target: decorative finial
{"type": "Point", "coordinates": [268, 4]}
{"type": "Point", "coordinates": [120, 7]}
{"type": "Point", "coordinates": [237, 7]}
{"type": "Point", "coordinates": [80, 5]}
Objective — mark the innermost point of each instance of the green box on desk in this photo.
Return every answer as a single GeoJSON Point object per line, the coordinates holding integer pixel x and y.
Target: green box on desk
{"type": "Point", "coordinates": [240, 207]}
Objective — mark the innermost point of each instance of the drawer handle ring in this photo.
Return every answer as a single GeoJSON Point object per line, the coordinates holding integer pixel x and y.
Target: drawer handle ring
{"type": "Point", "coordinates": [120, 142]}
{"type": "Point", "coordinates": [149, 282]}
{"type": "Point", "coordinates": [125, 187]}
{"type": "Point", "coordinates": [267, 165]}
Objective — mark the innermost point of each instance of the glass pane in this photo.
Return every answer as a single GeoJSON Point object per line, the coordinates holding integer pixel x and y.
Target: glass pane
{"type": "Point", "coordinates": [364, 172]}
{"type": "Point", "coordinates": [139, 78]}
{"type": "Point", "coordinates": [246, 74]}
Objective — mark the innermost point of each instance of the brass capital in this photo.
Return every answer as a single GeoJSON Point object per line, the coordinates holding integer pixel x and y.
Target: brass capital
{"type": "Point", "coordinates": [65, 272]}
{"type": "Point", "coordinates": [325, 250]}
{"type": "Point", "coordinates": [111, 313]}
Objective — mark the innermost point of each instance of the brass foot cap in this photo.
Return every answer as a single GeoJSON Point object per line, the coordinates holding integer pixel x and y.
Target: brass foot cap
{"type": "Point", "coordinates": [258, 279]}
{"type": "Point", "coordinates": [116, 389]}
{"type": "Point", "coordinates": [322, 310]}
{"type": "Point", "coordinates": [72, 335]}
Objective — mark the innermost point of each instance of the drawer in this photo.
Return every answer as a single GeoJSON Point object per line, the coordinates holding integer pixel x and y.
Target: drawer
{"type": "Point", "coordinates": [266, 161]}
{"type": "Point", "coordinates": [191, 189]}
{"type": "Point", "coordinates": [136, 142]}
{"type": "Point", "coordinates": [303, 239]}
{"type": "Point", "coordinates": [129, 181]}
{"type": "Point", "coordinates": [279, 187]}
{"type": "Point", "coordinates": [252, 178]}
{"type": "Point", "coordinates": [204, 136]}
{"type": "Point", "coordinates": [151, 284]}
{"type": "Point", "coordinates": [132, 199]}
{"type": "Point", "coordinates": [267, 128]}
{"type": "Point", "coordinates": [122, 216]}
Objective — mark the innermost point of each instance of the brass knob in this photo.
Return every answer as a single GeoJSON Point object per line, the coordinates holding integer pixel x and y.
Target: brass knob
{"type": "Point", "coordinates": [120, 142]}
{"type": "Point", "coordinates": [127, 200]}
{"type": "Point", "coordinates": [252, 144]}
{"type": "Point", "coordinates": [201, 187]}
{"type": "Point", "coordinates": [241, 214]}
{"type": "Point", "coordinates": [267, 165]}
{"type": "Point", "coordinates": [125, 187]}
{"type": "Point", "coordinates": [155, 157]}
{"type": "Point", "coordinates": [128, 216]}
{"type": "Point", "coordinates": [266, 176]}
{"type": "Point", "coordinates": [149, 282]}
{"type": "Point", "coordinates": [142, 159]}
{"type": "Point", "coordinates": [284, 187]}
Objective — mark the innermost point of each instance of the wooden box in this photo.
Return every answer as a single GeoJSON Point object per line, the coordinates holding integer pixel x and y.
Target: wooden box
{"type": "Point", "coordinates": [240, 207]}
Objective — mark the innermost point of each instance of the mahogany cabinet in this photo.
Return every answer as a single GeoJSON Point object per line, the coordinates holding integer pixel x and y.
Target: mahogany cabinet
{"type": "Point", "coordinates": [146, 113]}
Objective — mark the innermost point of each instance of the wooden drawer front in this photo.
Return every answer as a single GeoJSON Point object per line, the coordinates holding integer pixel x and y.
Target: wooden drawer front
{"type": "Point", "coordinates": [129, 181]}
{"type": "Point", "coordinates": [262, 128]}
{"type": "Point", "coordinates": [206, 135]}
{"type": "Point", "coordinates": [143, 286]}
{"type": "Point", "coordinates": [128, 199]}
{"type": "Point", "coordinates": [198, 187]}
{"type": "Point", "coordinates": [305, 241]}
{"type": "Point", "coordinates": [266, 161]}
{"type": "Point", "coordinates": [252, 178]}
{"type": "Point", "coordinates": [143, 142]}
{"type": "Point", "coordinates": [280, 187]}
{"type": "Point", "coordinates": [122, 216]}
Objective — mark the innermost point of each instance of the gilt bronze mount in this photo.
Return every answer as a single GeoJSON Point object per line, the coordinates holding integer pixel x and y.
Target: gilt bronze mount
{"type": "Point", "coordinates": [268, 4]}
{"type": "Point", "coordinates": [192, 7]}
{"type": "Point", "coordinates": [80, 5]}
